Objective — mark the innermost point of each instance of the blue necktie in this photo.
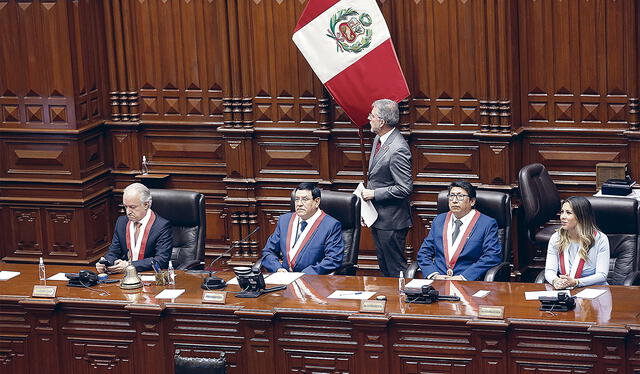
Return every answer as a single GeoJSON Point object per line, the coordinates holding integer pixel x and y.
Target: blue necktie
{"type": "Point", "coordinates": [303, 225]}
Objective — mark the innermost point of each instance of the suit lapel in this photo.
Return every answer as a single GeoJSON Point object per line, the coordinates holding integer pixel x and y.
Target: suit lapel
{"type": "Point", "coordinates": [383, 150]}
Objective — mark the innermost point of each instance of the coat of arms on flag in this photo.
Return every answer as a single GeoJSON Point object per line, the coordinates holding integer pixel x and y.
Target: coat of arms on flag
{"type": "Point", "coordinates": [348, 46]}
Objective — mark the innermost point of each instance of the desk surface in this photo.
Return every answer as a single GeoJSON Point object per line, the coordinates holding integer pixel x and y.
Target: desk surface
{"type": "Point", "coordinates": [619, 307]}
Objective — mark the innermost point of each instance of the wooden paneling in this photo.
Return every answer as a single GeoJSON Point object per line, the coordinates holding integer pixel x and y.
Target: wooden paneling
{"type": "Point", "coordinates": [215, 94]}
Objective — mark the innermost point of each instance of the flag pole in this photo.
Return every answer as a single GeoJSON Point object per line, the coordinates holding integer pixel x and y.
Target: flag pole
{"type": "Point", "coordinates": [363, 156]}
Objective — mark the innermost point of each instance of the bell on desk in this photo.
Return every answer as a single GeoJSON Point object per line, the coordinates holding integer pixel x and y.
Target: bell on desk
{"type": "Point", "coordinates": [131, 279]}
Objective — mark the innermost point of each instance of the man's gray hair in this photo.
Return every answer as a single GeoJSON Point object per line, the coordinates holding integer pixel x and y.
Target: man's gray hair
{"type": "Point", "coordinates": [141, 190]}
{"type": "Point", "coordinates": [388, 111]}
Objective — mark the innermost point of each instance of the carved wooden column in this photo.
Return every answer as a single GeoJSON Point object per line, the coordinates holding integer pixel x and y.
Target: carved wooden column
{"type": "Point", "coordinates": [44, 352]}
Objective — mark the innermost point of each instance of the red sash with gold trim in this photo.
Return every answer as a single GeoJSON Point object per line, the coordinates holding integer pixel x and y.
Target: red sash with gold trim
{"type": "Point", "coordinates": [451, 264]}
{"type": "Point", "coordinates": [145, 237]}
{"type": "Point", "coordinates": [312, 230]}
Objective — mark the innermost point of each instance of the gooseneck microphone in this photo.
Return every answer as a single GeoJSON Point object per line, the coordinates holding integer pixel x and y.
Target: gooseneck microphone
{"type": "Point", "coordinates": [214, 283]}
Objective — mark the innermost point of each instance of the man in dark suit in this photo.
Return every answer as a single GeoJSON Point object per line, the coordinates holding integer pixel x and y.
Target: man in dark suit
{"type": "Point", "coordinates": [140, 237]}
{"type": "Point", "coordinates": [462, 243]}
{"type": "Point", "coordinates": [309, 241]}
{"type": "Point", "coordinates": [390, 185]}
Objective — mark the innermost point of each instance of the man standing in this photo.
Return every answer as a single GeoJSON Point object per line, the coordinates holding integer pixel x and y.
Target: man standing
{"type": "Point", "coordinates": [462, 243]}
{"type": "Point", "coordinates": [390, 185]}
{"type": "Point", "coordinates": [309, 241]}
{"type": "Point", "coordinates": [141, 237]}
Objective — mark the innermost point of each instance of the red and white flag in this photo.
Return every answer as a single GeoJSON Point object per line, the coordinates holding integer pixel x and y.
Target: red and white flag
{"type": "Point", "coordinates": [348, 45]}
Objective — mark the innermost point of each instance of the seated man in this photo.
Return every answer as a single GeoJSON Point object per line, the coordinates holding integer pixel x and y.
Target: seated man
{"type": "Point", "coordinates": [141, 236]}
{"type": "Point", "coordinates": [309, 241]}
{"type": "Point", "coordinates": [463, 243]}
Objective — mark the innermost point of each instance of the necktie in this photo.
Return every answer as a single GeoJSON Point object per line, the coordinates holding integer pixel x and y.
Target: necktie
{"type": "Point", "coordinates": [456, 231]}
{"type": "Point", "coordinates": [137, 232]}
{"type": "Point", "coordinates": [301, 227]}
{"type": "Point", "coordinates": [377, 148]}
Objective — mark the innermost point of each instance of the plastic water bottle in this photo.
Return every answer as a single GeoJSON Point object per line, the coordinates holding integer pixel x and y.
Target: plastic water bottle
{"type": "Point", "coordinates": [145, 165]}
{"type": "Point", "coordinates": [401, 283]}
{"type": "Point", "coordinates": [42, 272]}
{"type": "Point", "coordinates": [172, 273]}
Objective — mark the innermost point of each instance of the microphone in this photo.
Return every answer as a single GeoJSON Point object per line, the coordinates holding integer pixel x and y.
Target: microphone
{"type": "Point", "coordinates": [214, 283]}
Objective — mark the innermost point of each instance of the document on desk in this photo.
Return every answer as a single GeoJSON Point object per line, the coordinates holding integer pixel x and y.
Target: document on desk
{"type": "Point", "coordinates": [368, 212]}
{"type": "Point", "coordinates": [58, 277]}
{"type": "Point", "coordinates": [233, 280]}
{"type": "Point", "coordinates": [353, 295]}
{"type": "Point", "coordinates": [147, 278]}
{"type": "Point", "coordinates": [6, 275]}
{"type": "Point", "coordinates": [169, 294]}
{"type": "Point", "coordinates": [534, 295]}
{"type": "Point", "coordinates": [418, 283]}
{"type": "Point", "coordinates": [590, 293]}
{"type": "Point", "coordinates": [282, 277]}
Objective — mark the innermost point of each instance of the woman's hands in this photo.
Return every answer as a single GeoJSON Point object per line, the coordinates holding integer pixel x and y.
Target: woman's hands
{"type": "Point", "coordinates": [564, 282]}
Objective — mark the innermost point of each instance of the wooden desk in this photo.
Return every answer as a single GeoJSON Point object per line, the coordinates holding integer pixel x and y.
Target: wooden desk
{"type": "Point", "coordinates": [299, 330]}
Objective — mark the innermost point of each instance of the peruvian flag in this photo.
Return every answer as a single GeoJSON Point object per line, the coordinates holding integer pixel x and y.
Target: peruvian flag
{"type": "Point", "coordinates": [348, 45]}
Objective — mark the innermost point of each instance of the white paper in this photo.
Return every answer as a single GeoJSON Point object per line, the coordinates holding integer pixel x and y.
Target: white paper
{"type": "Point", "coordinates": [58, 277]}
{"type": "Point", "coordinates": [6, 275]}
{"type": "Point", "coordinates": [481, 293]}
{"type": "Point", "coordinates": [148, 278]}
{"type": "Point", "coordinates": [534, 295]}
{"type": "Point", "coordinates": [169, 294]}
{"type": "Point", "coordinates": [368, 212]}
{"type": "Point", "coordinates": [353, 295]}
{"type": "Point", "coordinates": [282, 277]}
{"type": "Point", "coordinates": [590, 293]}
{"type": "Point", "coordinates": [418, 283]}
{"type": "Point", "coordinates": [234, 280]}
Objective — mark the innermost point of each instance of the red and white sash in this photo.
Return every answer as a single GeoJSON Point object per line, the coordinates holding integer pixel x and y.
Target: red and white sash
{"type": "Point", "coordinates": [307, 236]}
{"type": "Point", "coordinates": [145, 237]}
{"type": "Point", "coordinates": [450, 261]}
{"type": "Point", "coordinates": [578, 263]}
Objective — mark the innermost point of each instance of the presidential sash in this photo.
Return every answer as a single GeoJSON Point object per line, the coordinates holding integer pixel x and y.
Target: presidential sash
{"type": "Point", "coordinates": [450, 261]}
{"type": "Point", "coordinates": [145, 237]}
{"type": "Point", "coordinates": [305, 240]}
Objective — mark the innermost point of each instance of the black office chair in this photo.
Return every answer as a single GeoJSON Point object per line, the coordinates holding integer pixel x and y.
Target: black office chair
{"type": "Point", "coordinates": [345, 207]}
{"type": "Point", "coordinates": [619, 218]}
{"type": "Point", "coordinates": [199, 365]}
{"type": "Point", "coordinates": [496, 205]}
{"type": "Point", "coordinates": [186, 212]}
{"type": "Point", "coordinates": [540, 202]}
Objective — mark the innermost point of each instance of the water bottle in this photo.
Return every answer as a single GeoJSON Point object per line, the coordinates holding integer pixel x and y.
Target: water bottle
{"type": "Point", "coordinates": [172, 273]}
{"type": "Point", "coordinates": [401, 283]}
{"type": "Point", "coordinates": [42, 272]}
{"type": "Point", "coordinates": [145, 165]}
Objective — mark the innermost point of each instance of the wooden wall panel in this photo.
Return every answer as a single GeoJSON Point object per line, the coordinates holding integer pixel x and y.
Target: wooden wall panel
{"type": "Point", "coordinates": [217, 97]}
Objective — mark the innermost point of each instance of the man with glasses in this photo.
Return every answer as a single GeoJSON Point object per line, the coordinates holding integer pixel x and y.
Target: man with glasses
{"type": "Point", "coordinates": [309, 241]}
{"type": "Point", "coordinates": [389, 188]}
{"type": "Point", "coordinates": [462, 243]}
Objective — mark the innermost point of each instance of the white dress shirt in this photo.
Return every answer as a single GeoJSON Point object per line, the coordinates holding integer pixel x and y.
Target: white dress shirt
{"type": "Point", "coordinates": [135, 244]}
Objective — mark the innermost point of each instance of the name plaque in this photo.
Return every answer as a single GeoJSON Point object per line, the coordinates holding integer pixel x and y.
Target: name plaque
{"type": "Point", "coordinates": [44, 291]}
{"type": "Point", "coordinates": [491, 312]}
{"type": "Point", "coordinates": [372, 306]}
{"type": "Point", "coordinates": [214, 297]}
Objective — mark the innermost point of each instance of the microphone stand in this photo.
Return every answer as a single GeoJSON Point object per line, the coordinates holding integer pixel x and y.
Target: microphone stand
{"type": "Point", "coordinates": [214, 283]}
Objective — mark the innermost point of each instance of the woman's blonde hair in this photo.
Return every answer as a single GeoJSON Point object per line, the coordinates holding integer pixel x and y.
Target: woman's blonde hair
{"type": "Point", "coordinates": [586, 226]}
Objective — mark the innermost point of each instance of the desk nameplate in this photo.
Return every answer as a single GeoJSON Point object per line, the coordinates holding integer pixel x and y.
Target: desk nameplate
{"type": "Point", "coordinates": [214, 297]}
{"type": "Point", "coordinates": [44, 291]}
{"type": "Point", "coordinates": [372, 306]}
{"type": "Point", "coordinates": [491, 312]}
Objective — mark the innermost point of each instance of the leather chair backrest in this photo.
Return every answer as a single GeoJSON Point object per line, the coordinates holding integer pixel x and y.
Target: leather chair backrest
{"type": "Point", "coordinates": [619, 218]}
{"type": "Point", "coordinates": [199, 365]}
{"type": "Point", "coordinates": [345, 207]}
{"type": "Point", "coordinates": [186, 212]}
{"type": "Point", "coordinates": [494, 204]}
{"type": "Point", "coordinates": [540, 197]}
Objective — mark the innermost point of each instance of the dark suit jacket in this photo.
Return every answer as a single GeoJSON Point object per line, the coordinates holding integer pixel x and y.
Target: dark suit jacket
{"type": "Point", "coordinates": [322, 254]}
{"type": "Point", "coordinates": [158, 248]}
{"type": "Point", "coordinates": [390, 178]}
{"type": "Point", "coordinates": [481, 252]}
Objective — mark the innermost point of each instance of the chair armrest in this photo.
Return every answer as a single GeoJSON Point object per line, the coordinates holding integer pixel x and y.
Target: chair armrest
{"type": "Point", "coordinates": [412, 269]}
{"type": "Point", "coordinates": [498, 273]}
{"type": "Point", "coordinates": [633, 279]}
{"type": "Point", "coordinates": [347, 268]}
{"type": "Point", "coordinates": [191, 265]}
{"type": "Point", "coordinates": [540, 278]}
